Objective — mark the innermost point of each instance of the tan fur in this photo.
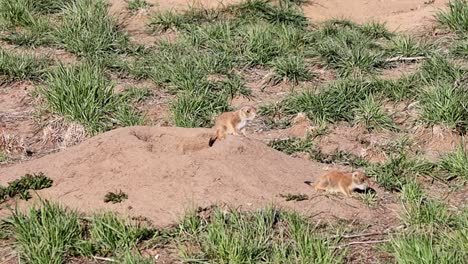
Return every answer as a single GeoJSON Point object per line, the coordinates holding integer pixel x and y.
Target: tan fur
{"type": "Point", "coordinates": [337, 181]}
{"type": "Point", "coordinates": [233, 123]}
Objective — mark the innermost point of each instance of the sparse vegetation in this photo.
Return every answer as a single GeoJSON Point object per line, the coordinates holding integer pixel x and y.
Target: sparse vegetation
{"type": "Point", "coordinates": [3, 157]}
{"type": "Point", "coordinates": [294, 197]}
{"type": "Point", "coordinates": [22, 186]}
{"type": "Point", "coordinates": [135, 5]}
{"type": "Point", "coordinates": [115, 197]}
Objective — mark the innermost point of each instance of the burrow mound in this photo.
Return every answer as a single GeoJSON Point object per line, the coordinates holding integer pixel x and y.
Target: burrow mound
{"type": "Point", "coordinates": [166, 171]}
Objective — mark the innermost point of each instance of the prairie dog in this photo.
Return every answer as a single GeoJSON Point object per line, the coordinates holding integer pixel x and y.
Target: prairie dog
{"type": "Point", "coordinates": [337, 181]}
{"type": "Point", "coordinates": [231, 123]}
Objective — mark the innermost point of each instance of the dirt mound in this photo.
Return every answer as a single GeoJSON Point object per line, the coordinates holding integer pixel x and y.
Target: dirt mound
{"type": "Point", "coordinates": [166, 171]}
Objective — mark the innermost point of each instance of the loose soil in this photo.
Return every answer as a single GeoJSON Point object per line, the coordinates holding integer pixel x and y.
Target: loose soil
{"type": "Point", "coordinates": [166, 171]}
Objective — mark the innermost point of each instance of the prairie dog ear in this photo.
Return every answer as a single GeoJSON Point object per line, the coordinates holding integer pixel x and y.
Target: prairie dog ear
{"type": "Point", "coordinates": [355, 174]}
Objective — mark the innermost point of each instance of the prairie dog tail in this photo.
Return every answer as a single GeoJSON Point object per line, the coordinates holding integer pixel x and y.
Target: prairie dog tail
{"type": "Point", "coordinates": [212, 140]}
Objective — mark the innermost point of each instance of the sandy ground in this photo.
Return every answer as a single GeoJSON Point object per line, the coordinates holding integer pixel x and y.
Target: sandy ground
{"type": "Point", "coordinates": [166, 171]}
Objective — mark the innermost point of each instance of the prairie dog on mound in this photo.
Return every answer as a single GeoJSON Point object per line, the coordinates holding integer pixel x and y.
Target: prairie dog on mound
{"type": "Point", "coordinates": [337, 181]}
{"type": "Point", "coordinates": [231, 123]}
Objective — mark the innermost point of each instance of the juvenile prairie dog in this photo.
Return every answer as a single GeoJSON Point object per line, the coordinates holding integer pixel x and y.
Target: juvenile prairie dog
{"type": "Point", "coordinates": [231, 123]}
{"type": "Point", "coordinates": [337, 181]}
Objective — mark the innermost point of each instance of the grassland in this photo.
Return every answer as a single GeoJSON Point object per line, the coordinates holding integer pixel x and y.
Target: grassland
{"type": "Point", "coordinates": [207, 65]}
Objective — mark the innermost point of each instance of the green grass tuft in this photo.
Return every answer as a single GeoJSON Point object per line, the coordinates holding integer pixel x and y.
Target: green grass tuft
{"type": "Point", "coordinates": [16, 12]}
{"type": "Point", "coordinates": [407, 46]}
{"type": "Point", "coordinates": [456, 163]}
{"type": "Point", "coordinates": [197, 109]}
{"type": "Point", "coordinates": [15, 67]}
{"type": "Point", "coordinates": [110, 234]}
{"type": "Point", "coordinates": [291, 68]}
{"type": "Point", "coordinates": [399, 170]}
{"type": "Point", "coordinates": [135, 5]}
{"type": "Point", "coordinates": [425, 248]}
{"type": "Point", "coordinates": [456, 18]}
{"type": "Point", "coordinates": [22, 186]}
{"type": "Point", "coordinates": [46, 235]}
{"type": "Point", "coordinates": [439, 69]}
{"type": "Point", "coordinates": [376, 30]}
{"type": "Point", "coordinates": [87, 29]}
{"type": "Point", "coordinates": [68, 87]}
{"type": "Point", "coordinates": [445, 104]}
{"type": "Point", "coordinates": [369, 113]}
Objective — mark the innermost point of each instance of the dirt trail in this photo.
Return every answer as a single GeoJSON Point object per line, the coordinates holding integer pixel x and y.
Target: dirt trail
{"type": "Point", "coordinates": [166, 171]}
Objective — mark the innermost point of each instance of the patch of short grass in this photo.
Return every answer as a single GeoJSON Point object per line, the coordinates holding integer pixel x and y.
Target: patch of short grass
{"type": "Point", "coordinates": [280, 14]}
{"type": "Point", "coordinates": [406, 46]}
{"type": "Point", "coordinates": [444, 103]}
{"type": "Point", "coordinates": [14, 67]}
{"type": "Point", "coordinates": [460, 47]}
{"type": "Point", "coordinates": [369, 113]}
{"type": "Point", "coordinates": [264, 236]}
{"type": "Point", "coordinates": [370, 199]}
{"type": "Point", "coordinates": [16, 12]}
{"type": "Point", "coordinates": [34, 35]}
{"type": "Point", "coordinates": [455, 163]}
{"type": "Point", "coordinates": [297, 145]}
{"type": "Point", "coordinates": [83, 94]}
{"type": "Point", "coordinates": [22, 186]}
{"type": "Point", "coordinates": [398, 170]}
{"type": "Point", "coordinates": [425, 248]}
{"type": "Point", "coordinates": [135, 5]}
{"type": "Point", "coordinates": [136, 94]}
{"type": "Point", "coordinates": [47, 234]}
{"type": "Point", "coordinates": [3, 157]}
{"type": "Point", "coordinates": [130, 257]}
{"type": "Point", "coordinates": [87, 29]}
{"type": "Point", "coordinates": [171, 19]}
{"type": "Point", "coordinates": [291, 68]}
{"type": "Point", "coordinates": [334, 102]}
{"type": "Point", "coordinates": [438, 69]}
{"type": "Point", "coordinates": [376, 30]}
{"type": "Point", "coordinates": [456, 17]}
{"type": "Point", "coordinates": [349, 48]}
{"type": "Point", "coordinates": [422, 211]}
{"type": "Point", "coordinates": [115, 197]}
{"type": "Point", "coordinates": [407, 87]}
{"type": "Point", "coordinates": [292, 145]}
{"type": "Point", "coordinates": [111, 234]}
{"type": "Point", "coordinates": [339, 157]}
{"type": "Point", "coordinates": [196, 109]}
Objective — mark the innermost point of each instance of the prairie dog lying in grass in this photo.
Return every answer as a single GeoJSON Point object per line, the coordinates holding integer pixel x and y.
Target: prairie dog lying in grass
{"type": "Point", "coordinates": [231, 123]}
{"type": "Point", "coordinates": [337, 181]}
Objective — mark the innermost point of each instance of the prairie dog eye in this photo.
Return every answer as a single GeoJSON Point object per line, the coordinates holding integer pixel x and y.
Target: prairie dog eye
{"type": "Point", "coordinates": [248, 111]}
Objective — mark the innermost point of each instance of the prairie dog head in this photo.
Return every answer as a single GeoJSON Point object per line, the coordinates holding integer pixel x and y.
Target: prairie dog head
{"type": "Point", "coordinates": [248, 113]}
{"type": "Point", "coordinates": [360, 179]}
